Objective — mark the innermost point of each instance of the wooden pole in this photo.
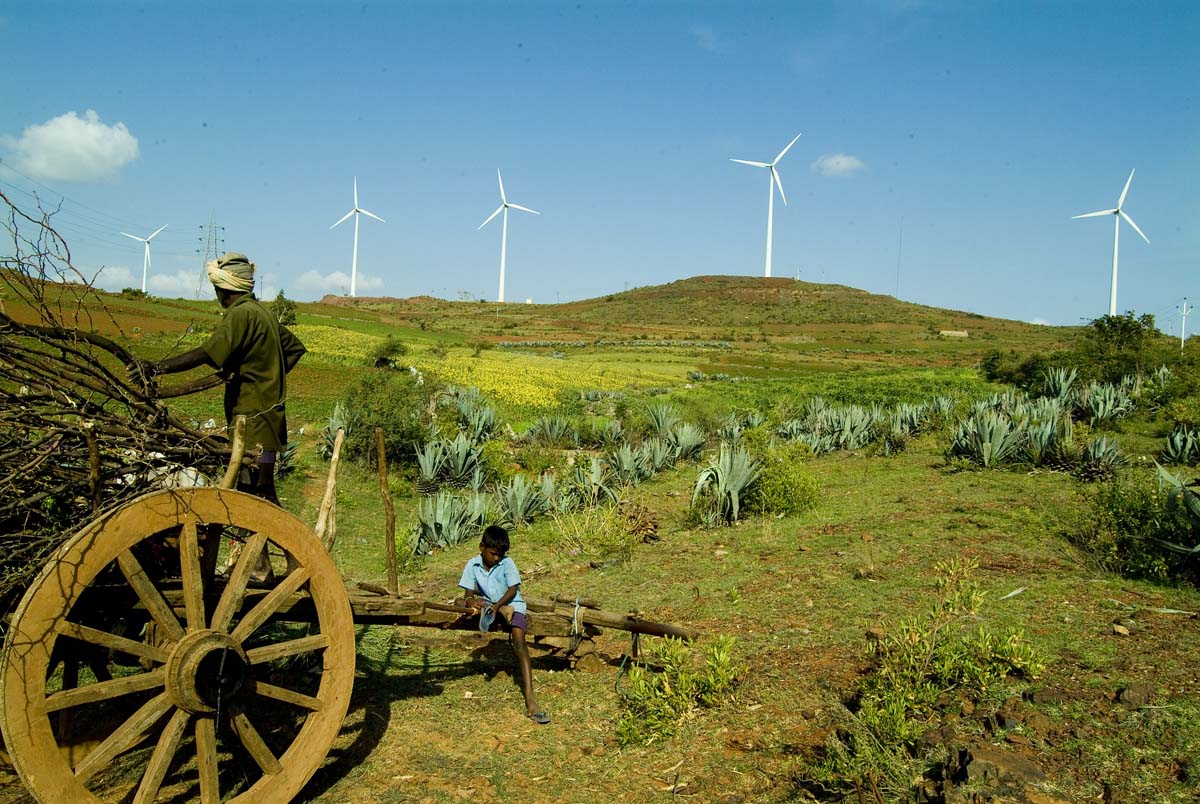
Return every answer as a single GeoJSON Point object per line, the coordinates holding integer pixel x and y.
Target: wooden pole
{"type": "Point", "coordinates": [235, 455]}
{"type": "Point", "coordinates": [389, 509]}
{"type": "Point", "coordinates": [94, 466]}
{"type": "Point", "coordinates": [325, 529]}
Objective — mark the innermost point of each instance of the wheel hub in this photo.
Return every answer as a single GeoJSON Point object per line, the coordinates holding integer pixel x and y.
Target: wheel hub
{"type": "Point", "coordinates": [206, 671]}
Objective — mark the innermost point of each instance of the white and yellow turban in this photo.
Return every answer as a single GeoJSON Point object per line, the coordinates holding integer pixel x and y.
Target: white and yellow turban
{"type": "Point", "coordinates": [231, 271]}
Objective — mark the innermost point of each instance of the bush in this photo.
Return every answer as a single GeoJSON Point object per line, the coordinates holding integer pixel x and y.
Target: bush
{"type": "Point", "coordinates": [133, 293]}
{"type": "Point", "coordinates": [537, 460]}
{"type": "Point", "coordinates": [671, 686]}
{"type": "Point", "coordinates": [398, 403]}
{"type": "Point", "coordinates": [284, 310]}
{"type": "Point", "coordinates": [1123, 529]}
{"type": "Point", "coordinates": [1185, 412]}
{"type": "Point", "coordinates": [598, 532]}
{"type": "Point", "coordinates": [786, 486]}
{"type": "Point", "coordinates": [386, 353]}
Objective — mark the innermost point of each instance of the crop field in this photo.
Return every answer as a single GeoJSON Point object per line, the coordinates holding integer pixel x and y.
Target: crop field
{"type": "Point", "coordinates": [887, 540]}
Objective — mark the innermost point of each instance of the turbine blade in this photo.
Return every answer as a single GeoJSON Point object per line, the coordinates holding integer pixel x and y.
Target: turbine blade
{"type": "Point", "coordinates": [1121, 200]}
{"type": "Point", "coordinates": [1129, 220]}
{"type": "Point", "coordinates": [489, 217]}
{"type": "Point", "coordinates": [156, 231]}
{"type": "Point", "coordinates": [356, 192]}
{"type": "Point", "coordinates": [747, 162]}
{"type": "Point", "coordinates": [343, 218]}
{"type": "Point", "coordinates": [785, 150]}
{"type": "Point", "coordinates": [778, 183]}
{"type": "Point", "coordinates": [135, 237]}
{"type": "Point", "coordinates": [372, 215]}
{"type": "Point", "coordinates": [524, 209]}
{"type": "Point", "coordinates": [1094, 214]}
{"type": "Point", "coordinates": [501, 180]}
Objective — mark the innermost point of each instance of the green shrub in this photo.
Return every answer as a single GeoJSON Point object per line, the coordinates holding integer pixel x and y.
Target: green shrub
{"type": "Point", "coordinates": [1185, 412]}
{"type": "Point", "coordinates": [398, 403]}
{"type": "Point", "coordinates": [387, 352]}
{"type": "Point", "coordinates": [786, 486]}
{"type": "Point", "coordinates": [537, 460]}
{"type": "Point", "coordinates": [597, 532]}
{"type": "Point", "coordinates": [284, 309]}
{"type": "Point", "coordinates": [673, 684]}
{"type": "Point", "coordinates": [1123, 528]}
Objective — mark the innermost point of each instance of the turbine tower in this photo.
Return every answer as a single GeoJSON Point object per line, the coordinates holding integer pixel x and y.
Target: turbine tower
{"type": "Point", "coordinates": [1118, 214]}
{"type": "Point", "coordinates": [775, 182]}
{"type": "Point", "coordinates": [354, 260]}
{"type": "Point", "coordinates": [146, 260]}
{"type": "Point", "coordinates": [504, 207]}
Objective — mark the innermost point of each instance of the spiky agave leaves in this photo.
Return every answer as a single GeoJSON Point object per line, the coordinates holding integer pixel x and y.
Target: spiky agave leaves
{"type": "Point", "coordinates": [1100, 459]}
{"type": "Point", "coordinates": [987, 439]}
{"type": "Point", "coordinates": [688, 441]}
{"type": "Point", "coordinates": [592, 483]}
{"type": "Point", "coordinates": [339, 419]}
{"type": "Point", "coordinates": [1182, 497]}
{"type": "Point", "coordinates": [445, 520]}
{"type": "Point", "coordinates": [627, 465]}
{"type": "Point", "coordinates": [518, 500]}
{"type": "Point", "coordinates": [462, 458]}
{"type": "Point", "coordinates": [431, 458]}
{"type": "Point", "coordinates": [725, 484]}
{"type": "Point", "coordinates": [1182, 447]}
{"type": "Point", "coordinates": [662, 417]}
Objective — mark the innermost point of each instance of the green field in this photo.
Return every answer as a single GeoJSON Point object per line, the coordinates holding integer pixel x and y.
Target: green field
{"type": "Point", "coordinates": [438, 716]}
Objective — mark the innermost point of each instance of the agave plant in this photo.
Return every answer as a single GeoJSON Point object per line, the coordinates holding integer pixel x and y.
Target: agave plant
{"type": "Point", "coordinates": [339, 419]}
{"type": "Point", "coordinates": [1057, 382]}
{"type": "Point", "coordinates": [462, 458]}
{"type": "Point", "coordinates": [443, 520]}
{"type": "Point", "coordinates": [662, 417]}
{"type": "Point", "coordinates": [479, 422]}
{"type": "Point", "coordinates": [518, 501]}
{"type": "Point", "coordinates": [552, 430]}
{"type": "Point", "coordinates": [725, 484]}
{"type": "Point", "coordinates": [688, 441]}
{"type": "Point", "coordinates": [657, 454]}
{"type": "Point", "coordinates": [852, 427]}
{"type": "Point", "coordinates": [987, 439]}
{"type": "Point", "coordinates": [1182, 447]}
{"type": "Point", "coordinates": [591, 483]}
{"type": "Point", "coordinates": [285, 461]}
{"type": "Point", "coordinates": [627, 465]}
{"type": "Point", "coordinates": [819, 444]}
{"type": "Point", "coordinates": [1101, 403]}
{"type": "Point", "coordinates": [1100, 460]}
{"type": "Point", "coordinates": [754, 418]}
{"type": "Point", "coordinates": [431, 458]}
{"type": "Point", "coordinates": [1182, 496]}
{"type": "Point", "coordinates": [730, 431]}
{"type": "Point", "coordinates": [792, 429]}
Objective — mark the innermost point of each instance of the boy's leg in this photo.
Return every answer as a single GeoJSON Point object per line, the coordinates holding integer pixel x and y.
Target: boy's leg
{"type": "Point", "coordinates": [522, 651]}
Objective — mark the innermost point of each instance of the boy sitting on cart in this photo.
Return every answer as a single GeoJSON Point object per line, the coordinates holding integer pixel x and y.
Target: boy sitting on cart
{"type": "Point", "coordinates": [491, 587]}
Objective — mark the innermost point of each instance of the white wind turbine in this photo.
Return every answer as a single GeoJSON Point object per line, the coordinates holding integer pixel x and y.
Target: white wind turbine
{"type": "Point", "coordinates": [504, 207]}
{"type": "Point", "coordinates": [775, 182]}
{"type": "Point", "coordinates": [1118, 214]}
{"type": "Point", "coordinates": [146, 260]}
{"type": "Point", "coordinates": [356, 212]}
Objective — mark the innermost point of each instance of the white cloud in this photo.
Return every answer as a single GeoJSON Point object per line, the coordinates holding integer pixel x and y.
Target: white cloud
{"type": "Point", "coordinates": [73, 148]}
{"type": "Point", "coordinates": [1041, 322]}
{"type": "Point", "coordinates": [337, 282]}
{"type": "Point", "coordinates": [838, 164]}
{"type": "Point", "coordinates": [707, 38]}
{"type": "Point", "coordinates": [179, 285]}
{"type": "Point", "coordinates": [116, 277]}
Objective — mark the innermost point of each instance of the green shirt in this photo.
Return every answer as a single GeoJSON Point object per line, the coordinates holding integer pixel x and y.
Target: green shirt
{"type": "Point", "coordinates": [255, 353]}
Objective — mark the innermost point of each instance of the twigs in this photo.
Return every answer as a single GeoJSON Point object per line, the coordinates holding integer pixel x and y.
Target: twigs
{"type": "Point", "coordinates": [76, 436]}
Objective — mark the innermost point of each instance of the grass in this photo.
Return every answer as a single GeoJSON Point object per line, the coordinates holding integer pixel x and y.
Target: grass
{"type": "Point", "coordinates": [438, 716]}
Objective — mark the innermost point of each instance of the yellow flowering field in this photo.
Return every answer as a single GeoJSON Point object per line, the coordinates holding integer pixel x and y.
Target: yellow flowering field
{"type": "Point", "coordinates": [505, 375]}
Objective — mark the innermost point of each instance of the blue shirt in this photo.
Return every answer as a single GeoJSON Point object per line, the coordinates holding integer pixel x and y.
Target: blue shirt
{"type": "Point", "coordinates": [492, 584]}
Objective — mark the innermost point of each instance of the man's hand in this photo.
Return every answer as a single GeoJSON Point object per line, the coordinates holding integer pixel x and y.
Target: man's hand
{"type": "Point", "coordinates": [142, 372]}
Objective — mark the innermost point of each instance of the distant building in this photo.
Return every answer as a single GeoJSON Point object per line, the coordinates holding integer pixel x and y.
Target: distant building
{"type": "Point", "coordinates": [952, 333]}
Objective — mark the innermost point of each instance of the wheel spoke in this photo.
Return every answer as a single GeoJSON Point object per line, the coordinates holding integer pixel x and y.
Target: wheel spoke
{"type": "Point", "coordinates": [160, 760]}
{"type": "Point", "coordinates": [269, 604]}
{"type": "Point", "coordinates": [104, 639]}
{"type": "Point", "coordinates": [125, 737]}
{"type": "Point", "coordinates": [254, 744]}
{"type": "Point", "coordinates": [206, 760]}
{"type": "Point", "coordinates": [193, 583]}
{"type": "Point", "coordinates": [288, 696]}
{"type": "Point", "coordinates": [269, 653]}
{"type": "Point", "coordinates": [104, 690]}
{"type": "Point", "coordinates": [151, 598]}
{"type": "Point", "coordinates": [235, 589]}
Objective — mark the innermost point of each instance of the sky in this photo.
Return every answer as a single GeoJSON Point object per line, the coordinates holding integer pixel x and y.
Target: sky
{"type": "Point", "coordinates": [945, 145]}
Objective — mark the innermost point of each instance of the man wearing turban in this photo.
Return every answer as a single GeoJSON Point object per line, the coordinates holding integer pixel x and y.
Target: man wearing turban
{"type": "Point", "coordinates": [254, 353]}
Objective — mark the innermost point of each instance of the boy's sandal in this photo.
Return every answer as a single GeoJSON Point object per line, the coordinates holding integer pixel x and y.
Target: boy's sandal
{"type": "Point", "coordinates": [539, 717]}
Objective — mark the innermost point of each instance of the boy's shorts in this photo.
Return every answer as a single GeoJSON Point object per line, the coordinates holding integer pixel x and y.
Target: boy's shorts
{"type": "Point", "coordinates": [516, 619]}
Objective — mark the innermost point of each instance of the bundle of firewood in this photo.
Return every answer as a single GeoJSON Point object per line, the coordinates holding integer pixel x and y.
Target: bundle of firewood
{"type": "Point", "coordinates": [77, 434]}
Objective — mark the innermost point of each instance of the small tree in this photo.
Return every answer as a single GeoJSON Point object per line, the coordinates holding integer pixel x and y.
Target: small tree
{"type": "Point", "coordinates": [284, 309]}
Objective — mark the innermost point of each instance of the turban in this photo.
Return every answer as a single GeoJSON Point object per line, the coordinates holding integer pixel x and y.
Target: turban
{"type": "Point", "coordinates": [231, 271]}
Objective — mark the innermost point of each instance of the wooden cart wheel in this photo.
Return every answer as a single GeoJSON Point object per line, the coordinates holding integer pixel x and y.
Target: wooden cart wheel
{"type": "Point", "coordinates": [180, 689]}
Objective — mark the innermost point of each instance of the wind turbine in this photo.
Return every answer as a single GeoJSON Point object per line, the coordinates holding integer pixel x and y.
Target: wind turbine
{"type": "Point", "coordinates": [354, 260]}
{"type": "Point", "coordinates": [775, 182]}
{"type": "Point", "coordinates": [1118, 214]}
{"type": "Point", "coordinates": [146, 260]}
{"type": "Point", "coordinates": [504, 207]}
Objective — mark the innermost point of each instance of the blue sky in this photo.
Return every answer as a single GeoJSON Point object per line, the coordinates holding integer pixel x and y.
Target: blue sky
{"type": "Point", "coordinates": [976, 128]}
